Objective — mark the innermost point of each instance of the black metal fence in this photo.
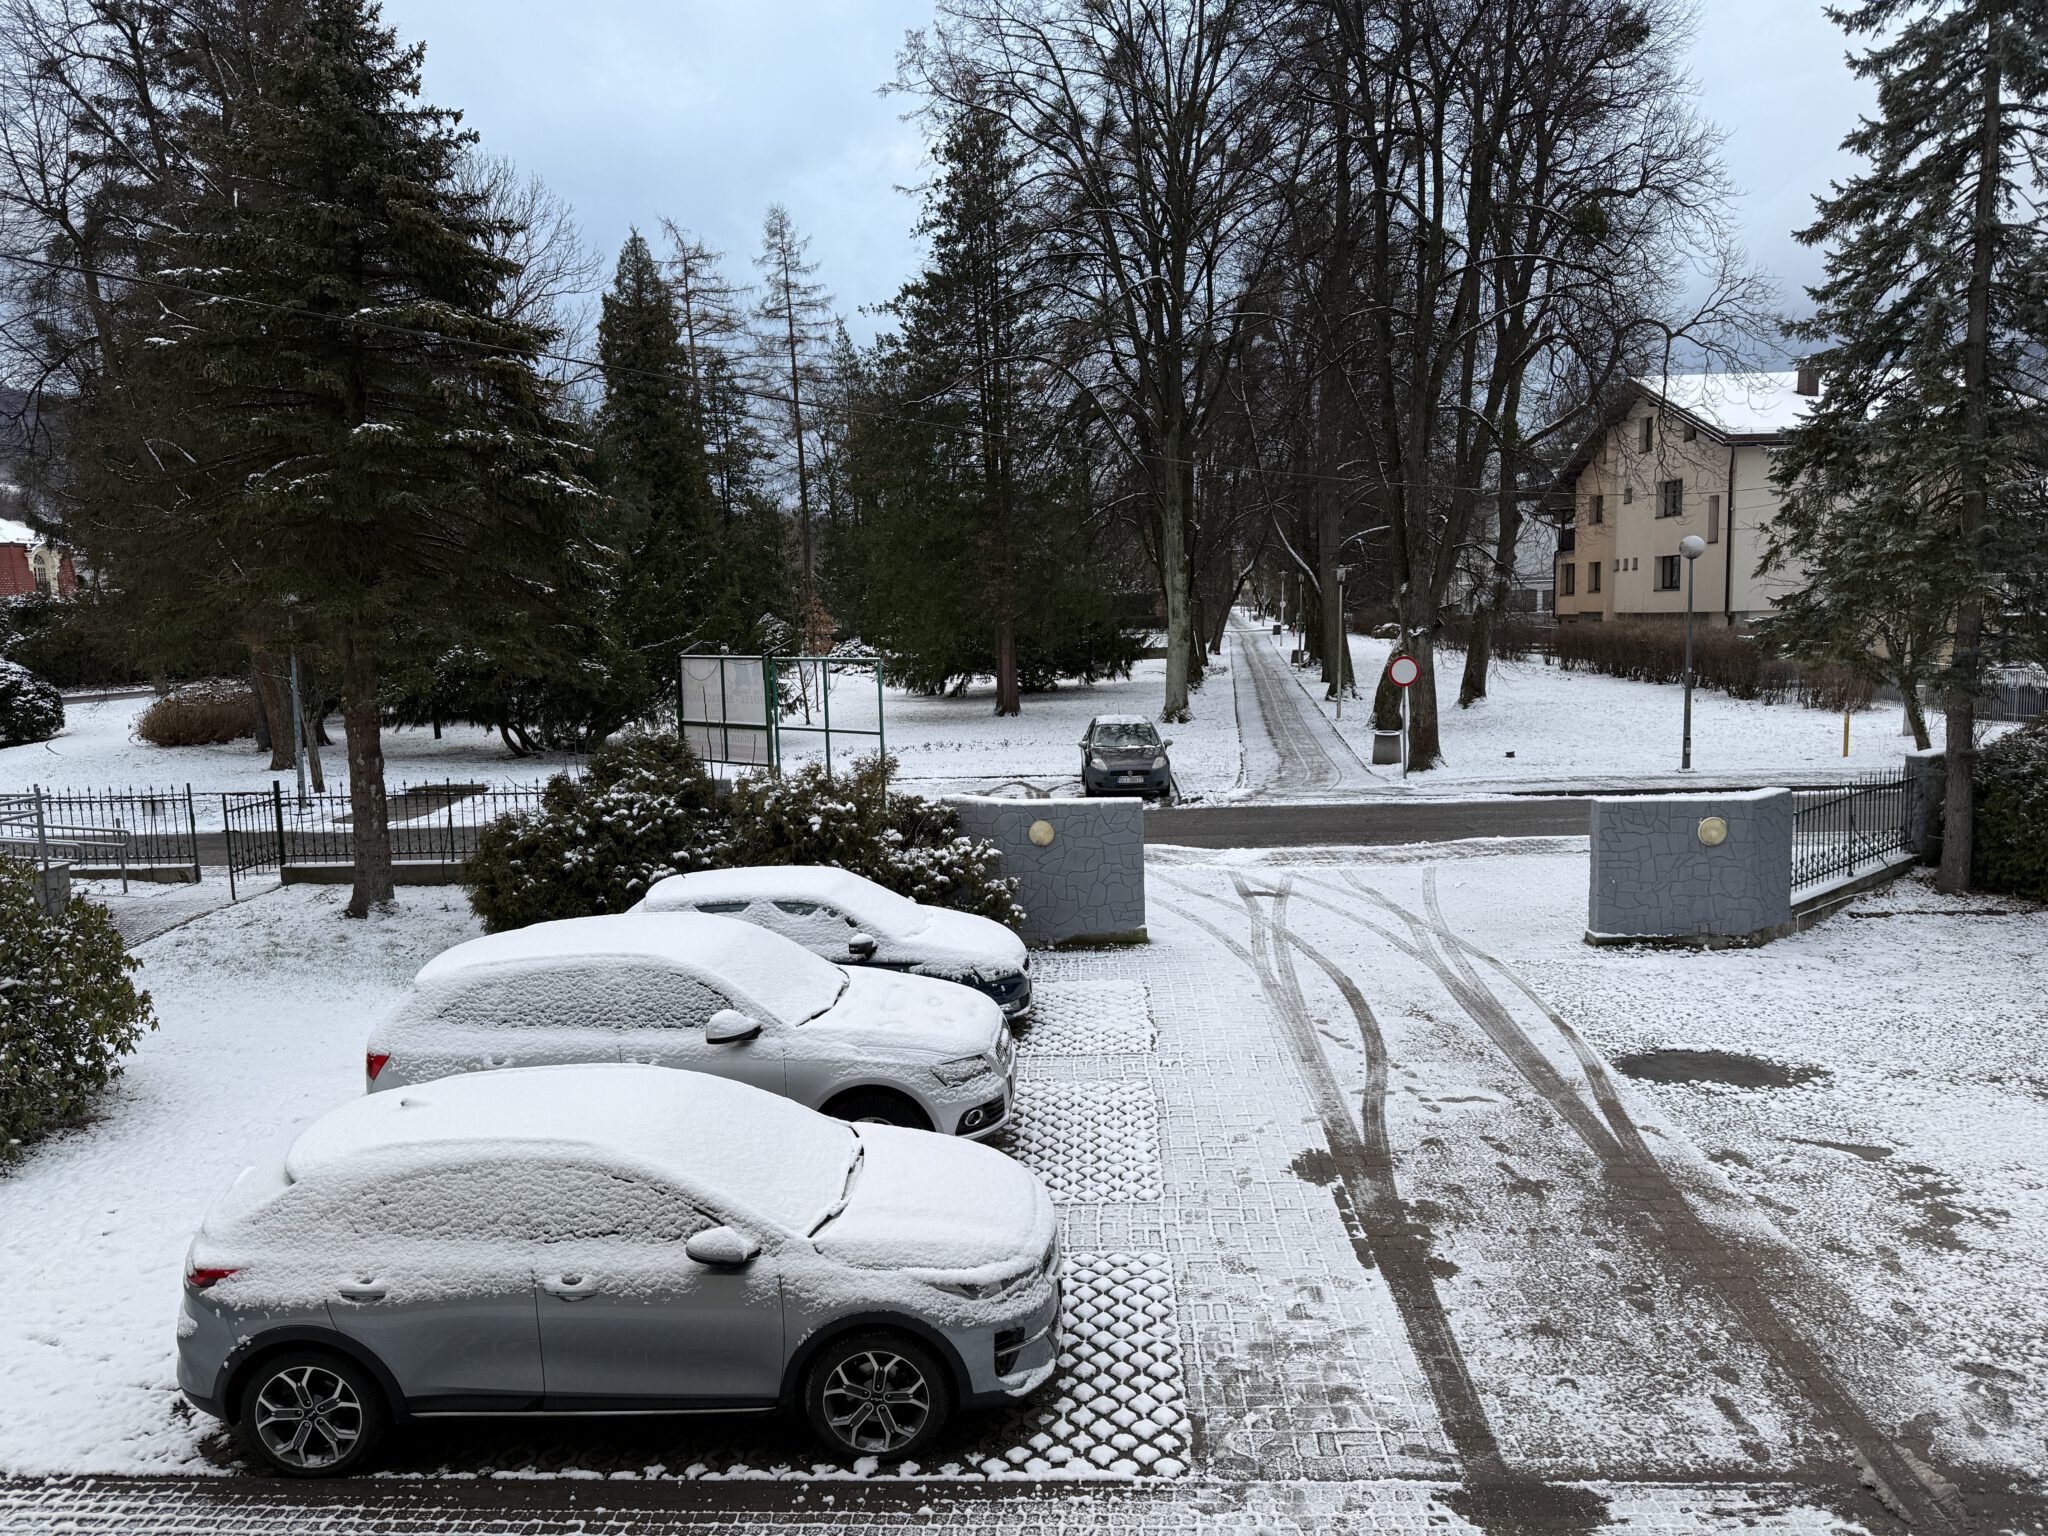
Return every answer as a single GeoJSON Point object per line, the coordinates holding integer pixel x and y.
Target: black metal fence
{"type": "Point", "coordinates": [115, 832]}
{"type": "Point", "coordinates": [1838, 834]}
{"type": "Point", "coordinates": [435, 824]}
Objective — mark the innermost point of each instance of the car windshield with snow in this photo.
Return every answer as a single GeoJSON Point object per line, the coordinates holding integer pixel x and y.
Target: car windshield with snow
{"type": "Point", "coordinates": [613, 1239]}
{"type": "Point", "coordinates": [850, 920]}
{"type": "Point", "coordinates": [1124, 755]}
{"type": "Point", "coordinates": [705, 994]}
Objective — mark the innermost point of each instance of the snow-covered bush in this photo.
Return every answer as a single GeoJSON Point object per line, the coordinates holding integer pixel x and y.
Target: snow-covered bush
{"type": "Point", "coordinates": [912, 846]}
{"type": "Point", "coordinates": [68, 1010]}
{"type": "Point", "coordinates": [2010, 851]}
{"type": "Point", "coordinates": [200, 714]}
{"type": "Point", "coordinates": [30, 709]}
{"type": "Point", "coordinates": [645, 809]}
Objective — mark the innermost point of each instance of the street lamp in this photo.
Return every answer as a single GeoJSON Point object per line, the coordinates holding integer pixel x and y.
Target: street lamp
{"type": "Point", "coordinates": [1343, 656]}
{"type": "Point", "coordinates": [1692, 546]}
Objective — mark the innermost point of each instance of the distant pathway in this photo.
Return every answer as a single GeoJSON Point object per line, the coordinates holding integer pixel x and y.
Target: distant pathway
{"type": "Point", "coordinates": [1289, 747]}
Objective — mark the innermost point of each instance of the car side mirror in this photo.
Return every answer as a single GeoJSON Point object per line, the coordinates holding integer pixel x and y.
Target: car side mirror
{"type": "Point", "coordinates": [1166, 743]}
{"type": "Point", "coordinates": [721, 1247]}
{"type": "Point", "coordinates": [729, 1026]}
{"type": "Point", "coordinates": [861, 946]}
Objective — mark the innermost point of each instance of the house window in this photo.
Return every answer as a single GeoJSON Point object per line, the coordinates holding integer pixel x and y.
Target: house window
{"type": "Point", "coordinates": [1570, 575]}
{"type": "Point", "coordinates": [1649, 427]}
{"type": "Point", "coordinates": [1667, 573]}
{"type": "Point", "coordinates": [1628, 495]}
{"type": "Point", "coordinates": [1593, 577]}
{"type": "Point", "coordinates": [1713, 519]}
{"type": "Point", "coordinates": [1692, 433]}
{"type": "Point", "coordinates": [1596, 510]}
{"type": "Point", "coordinates": [1671, 498]}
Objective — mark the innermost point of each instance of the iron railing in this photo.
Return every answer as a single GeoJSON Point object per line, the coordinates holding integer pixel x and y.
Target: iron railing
{"type": "Point", "coordinates": [429, 824]}
{"type": "Point", "coordinates": [1838, 834]}
{"type": "Point", "coordinates": [116, 832]}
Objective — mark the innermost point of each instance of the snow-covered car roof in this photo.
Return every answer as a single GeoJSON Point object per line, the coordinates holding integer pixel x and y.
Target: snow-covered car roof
{"type": "Point", "coordinates": [794, 882]}
{"type": "Point", "coordinates": [1118, 720]}
{"type": "Point", "coordinates": [703, 1133]}
{"type": "Point", "coordinates": [774, 972]}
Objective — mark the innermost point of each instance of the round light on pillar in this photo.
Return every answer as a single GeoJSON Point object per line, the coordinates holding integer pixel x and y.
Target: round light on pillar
{"type": "Point", "coordinates": [1713, 831]}
{"type": "Point", "coordinates": [1042, 833]}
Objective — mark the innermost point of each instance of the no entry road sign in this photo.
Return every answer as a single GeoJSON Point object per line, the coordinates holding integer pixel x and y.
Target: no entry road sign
{"type": "Point", "coordinates": [1404, 670]}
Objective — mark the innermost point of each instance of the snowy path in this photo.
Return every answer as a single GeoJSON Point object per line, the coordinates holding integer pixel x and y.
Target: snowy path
{"type": "Point", "coordinates": [1290, 747]}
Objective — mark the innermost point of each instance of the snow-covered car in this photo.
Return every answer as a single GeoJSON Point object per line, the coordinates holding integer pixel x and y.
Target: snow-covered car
{"type": "Point", "coordinates": [1123, 755]}
{"type": "Point", "coordinates": [707, 994]}
{"type": "Point", "coordinates": [850, 920]}
{"type": "Point", "coordinates": [613, 1239]}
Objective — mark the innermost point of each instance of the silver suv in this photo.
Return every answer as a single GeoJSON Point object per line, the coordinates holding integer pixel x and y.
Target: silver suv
{"type": "Point", "coordinates": [613, 1239]}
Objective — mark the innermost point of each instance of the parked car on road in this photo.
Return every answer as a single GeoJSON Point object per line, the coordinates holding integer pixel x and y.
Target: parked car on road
{"type": "Point", "coordinates": [706, 994]}
{"type": "Point", "coordinates": [1123, 755]}
{"type": "Point", "coordinates": [613, 1239]}
{"type": "Point", "coordinates": [850, 920]}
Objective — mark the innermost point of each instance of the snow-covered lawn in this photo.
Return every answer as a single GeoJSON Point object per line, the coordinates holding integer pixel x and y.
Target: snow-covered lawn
{"type": "Point", "coordinates": [1540, 725]}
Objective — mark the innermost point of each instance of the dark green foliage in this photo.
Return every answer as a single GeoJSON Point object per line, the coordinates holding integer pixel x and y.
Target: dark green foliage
{"type": "Point", "coordinates": [647, 809]}
{"type": "Point", "coordinates": [30, 709]}
{"type": "Point", "coordinates": [68, 1011]}
{"type": "Point", "coordinates": [2011, 850]}
{"type": "Point", "coordinates": [971, 550]}
{"type": "Point", "coordinates": [644, 809]}
{"type": "Point", "coordinates": [65, 640]}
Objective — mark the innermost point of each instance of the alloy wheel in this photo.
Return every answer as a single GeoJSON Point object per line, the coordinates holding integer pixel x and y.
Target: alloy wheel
{"type": "Point", "coordinates": [877, 1401]}
{"type": "Point", "coordinates": [308, 1417]}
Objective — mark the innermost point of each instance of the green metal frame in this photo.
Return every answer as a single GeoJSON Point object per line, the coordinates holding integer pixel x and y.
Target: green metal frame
{"type": "Point", "coordinates": [773, 725]}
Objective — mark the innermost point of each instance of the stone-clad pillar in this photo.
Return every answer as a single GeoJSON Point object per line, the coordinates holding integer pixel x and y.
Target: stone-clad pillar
{"type": "Point", "coordinates": [1080, 864]}
{"type": "Point", "coordinates": [1714, 866]}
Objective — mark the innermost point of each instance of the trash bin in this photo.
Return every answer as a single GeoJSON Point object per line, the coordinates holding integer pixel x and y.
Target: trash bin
{"type": "Point", "coordinates": [1386, 746]}
{"type": "Point", "coordinates": [1276, 629]}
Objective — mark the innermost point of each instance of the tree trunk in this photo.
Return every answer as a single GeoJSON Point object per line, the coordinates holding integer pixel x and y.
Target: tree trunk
{"type": "Point", "coordinates": [311, 727]}
{"type": "Point", "coordinates": [370, 818]}
{"type": "Point", "coordinates": [1424, 744]}
{"type": "Point", "coordinates": [1479, 654]}
{"type": "Point", "coordinates": [1916, 715]}
{"type": "Point", "coordinates": [1173, 577]}
{"type": "Point", "coordinates": [274, 711]}
{"type": "Point", "coordinates": [1008, 700]}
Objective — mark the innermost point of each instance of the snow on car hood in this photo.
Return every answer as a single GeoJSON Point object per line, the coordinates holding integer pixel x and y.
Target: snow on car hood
{"type": "Point", "coordinates": [934, 1203]}
{"type": "Point", "coordinates": [956, 945]}
{"type": "Point", "coordinates": [921, 1014]}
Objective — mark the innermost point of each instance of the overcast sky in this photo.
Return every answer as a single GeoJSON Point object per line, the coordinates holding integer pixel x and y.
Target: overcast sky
{"type": "Point", "coordinates": [708, 110]}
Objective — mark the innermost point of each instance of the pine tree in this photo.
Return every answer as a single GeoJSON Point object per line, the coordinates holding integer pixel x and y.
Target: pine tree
{"type": "Point", "coordinates": [1914, 487]}
{"type": "Point", "coordinates": [381, 458]}
{"type": "Point", "coordinates": [651, 462]}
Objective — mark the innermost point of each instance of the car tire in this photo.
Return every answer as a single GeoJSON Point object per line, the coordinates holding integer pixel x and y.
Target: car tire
{"type": "Point", "coordinates": [880, 1106]}
{"type": "Point", "coordinates": [280, 1436]}
{"type": "Point", "coordinates": [878, 1393]}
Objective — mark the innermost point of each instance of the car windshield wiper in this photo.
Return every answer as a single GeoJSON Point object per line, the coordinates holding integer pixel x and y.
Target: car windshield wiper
{"type": "Point", "coordinates": [844, 982]}
{"type": "Point", "coordinates": [860, 1153]}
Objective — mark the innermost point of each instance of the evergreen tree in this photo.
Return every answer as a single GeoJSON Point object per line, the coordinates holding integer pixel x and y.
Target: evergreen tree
{"type": "Point", "coordinates": [381, 458]}
{"type": "Point", "coordinates": [1914, 489]}
{"type": "Point", "coordinates": [651, 462]}
{"type": "Point", "coordinates": [792, 317]}
{"type": "Point", "coordinates": [964, 469]}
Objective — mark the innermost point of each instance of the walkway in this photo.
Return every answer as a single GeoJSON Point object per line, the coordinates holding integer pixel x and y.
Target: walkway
{"type": "Point", "coordinates": [1289, 748]}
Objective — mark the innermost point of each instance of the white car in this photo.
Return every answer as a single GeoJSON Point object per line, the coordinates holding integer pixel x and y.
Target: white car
{"type": "Point", "coordinates": [850, 920]}
{"type": "Point", "coordinates": [613, 1239]}
{"type": "Point", "coordinates": [707, 994]}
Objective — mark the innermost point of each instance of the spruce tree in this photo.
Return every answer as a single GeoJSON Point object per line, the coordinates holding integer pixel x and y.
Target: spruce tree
{"type": "Point", "coordinates": [651, 464]}
{"type": "Point", "coordinates": [380, 453]}
{"type": "Point", "coordinates": [1914, 487]}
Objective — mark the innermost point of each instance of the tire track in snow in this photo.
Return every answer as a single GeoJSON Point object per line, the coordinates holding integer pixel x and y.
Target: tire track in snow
{"type": "Point", "coordinates": [1909, 1488]}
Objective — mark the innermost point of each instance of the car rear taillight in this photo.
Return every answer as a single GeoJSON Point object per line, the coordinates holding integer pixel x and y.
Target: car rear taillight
{"type": "Point", "coordinates": [199, 1279]}
{"type": "Point", "coordinates": [373, 1062]}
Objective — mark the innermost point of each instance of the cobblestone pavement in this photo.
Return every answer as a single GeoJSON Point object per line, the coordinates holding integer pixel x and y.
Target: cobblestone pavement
{"type": "Point", "coordinates": [1363, 1236]}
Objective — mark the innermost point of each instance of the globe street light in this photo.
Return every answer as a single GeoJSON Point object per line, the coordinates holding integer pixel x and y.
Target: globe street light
{"type": "Point", "coordinates": [1692, 546]}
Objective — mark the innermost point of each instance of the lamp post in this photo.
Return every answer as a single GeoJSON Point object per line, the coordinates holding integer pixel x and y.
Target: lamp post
{"type": "Point", "coordinates": [1692, 546]}
{"type": "Point", "coordinates": [1342, 659]}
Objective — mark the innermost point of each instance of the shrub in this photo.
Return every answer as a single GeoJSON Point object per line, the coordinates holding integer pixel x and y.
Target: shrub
{"type": "Point", "coordinates": [644, 809]}
{"type": "Point", "coordinates": [647, 809]}
{"type": "Point", "coordinates": [2010, 846]}
{"type": "Point", "coordinates": [1650, 652]}
{"type": "Point", "coordinates": [30, 709]}
{"type": "Point", "coordinates": [200, 715]}
{"type": "Point", "coordinates": [63, 639]}
{"type": "Point", "coordinates": [68, 1011]}
{"type": "Point", "coordinates": [1514, 637]}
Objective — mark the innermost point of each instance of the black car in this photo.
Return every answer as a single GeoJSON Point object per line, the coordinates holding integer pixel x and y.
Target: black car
{"type": "Point", "coordinates": [1123, 755]}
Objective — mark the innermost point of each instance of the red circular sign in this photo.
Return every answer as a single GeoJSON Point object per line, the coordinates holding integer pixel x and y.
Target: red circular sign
{"type": "Point", "coordinates": [1404, 670]}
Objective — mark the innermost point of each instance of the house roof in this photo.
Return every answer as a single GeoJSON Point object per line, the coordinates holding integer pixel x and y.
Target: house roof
{"type": "Point", "coordinates": [12, 532]}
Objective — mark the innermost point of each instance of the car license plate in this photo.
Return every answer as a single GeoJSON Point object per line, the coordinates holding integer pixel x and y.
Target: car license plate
{"type": "Point", "coordinates": [1130, 778]}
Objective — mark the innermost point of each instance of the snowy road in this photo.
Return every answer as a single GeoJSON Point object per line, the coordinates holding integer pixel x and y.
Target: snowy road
{"type": "Point", "coordinates": [1290, 749]}
{"type": "Point", "coordinates": [1393, 1206]}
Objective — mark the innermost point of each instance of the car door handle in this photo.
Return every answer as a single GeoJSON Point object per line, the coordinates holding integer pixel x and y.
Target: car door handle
{"type": "Point", "coordinates": [362, 1290]}
{"type": "Point", "coordinates": [569, 1287]}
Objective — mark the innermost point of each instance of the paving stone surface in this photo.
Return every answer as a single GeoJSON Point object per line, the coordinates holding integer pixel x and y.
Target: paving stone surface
{"type": "Point", "coordinates": [1089, 1018]}
{"type": "Point", "coordinates": [1090, 1141]}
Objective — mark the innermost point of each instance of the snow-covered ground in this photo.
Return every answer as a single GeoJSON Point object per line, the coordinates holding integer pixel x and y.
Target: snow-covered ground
{"type": "Point", "coordinates": [1540, 725]}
